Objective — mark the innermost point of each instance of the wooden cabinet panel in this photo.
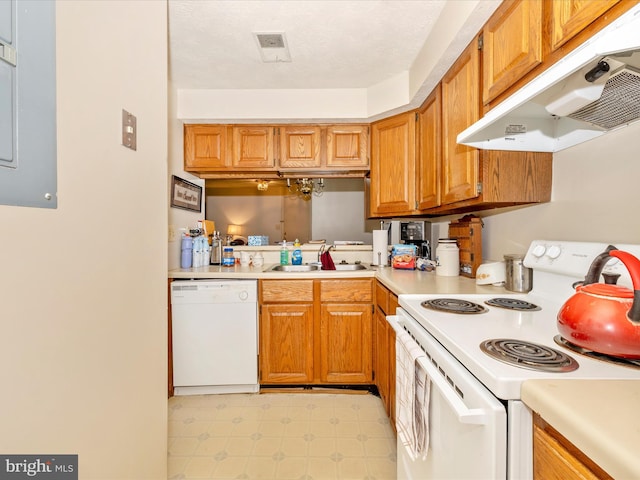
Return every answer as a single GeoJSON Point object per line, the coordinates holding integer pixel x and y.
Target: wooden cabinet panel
{"type": "Point", "coordinates": [393, 165]}
{"type": "Point", "coordinates": [205, 147]}
{"type": "Point", "coordinates": [555, 458]}
{"type": "Point", "coordinates": [393, 304]}
{"type": "Point", "coordinates": [286, 343]}
{"type": "Point", "coordinates": [300, 146]}
{"type": "Point", "coordinates": [345, 343]}
{"type": "Point", "coordinates": [253, 146]}
{"type": "Point", "coordinates": [286, 291]}
{"type": "Point", "coordinates": [382, 297]}
{"type": "Point", "coordinates": [382, 359]}
{"type": "Point", "coordinates": [566, 18]}
{"type": "Point", "coordinates": [429, 154]}
{"type": "Point", "coordinates": [352, 290]}
{"type": "Point", "coordinates": [347, 146]}
{"type": "Point", "coordinates": [460, 108]}
{"type": "Point", "coordinates": [512, 44]}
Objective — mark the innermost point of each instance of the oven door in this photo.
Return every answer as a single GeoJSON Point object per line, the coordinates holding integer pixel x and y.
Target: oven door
{"type": "Point", "coordinates": [467, 424]}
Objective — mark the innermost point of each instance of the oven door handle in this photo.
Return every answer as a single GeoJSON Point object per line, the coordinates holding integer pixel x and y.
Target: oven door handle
{"type": "Point", "coordinates": [476, 416]}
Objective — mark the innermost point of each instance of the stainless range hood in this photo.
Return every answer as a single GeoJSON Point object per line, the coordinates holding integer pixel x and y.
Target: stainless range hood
{"type": "Point", "coordinates": [593, 90]}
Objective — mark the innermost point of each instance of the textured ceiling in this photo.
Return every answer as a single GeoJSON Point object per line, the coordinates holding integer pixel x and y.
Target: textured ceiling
{"type": "Point", "coordinates": [333, 43]}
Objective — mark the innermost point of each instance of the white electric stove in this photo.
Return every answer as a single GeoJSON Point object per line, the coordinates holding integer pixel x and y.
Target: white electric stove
{"type": "Point", "coordinates": [462, 338]}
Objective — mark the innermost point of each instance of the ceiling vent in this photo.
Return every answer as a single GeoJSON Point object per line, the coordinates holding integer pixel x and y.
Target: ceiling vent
{"type": "Point", "coordinates": [273, 47]}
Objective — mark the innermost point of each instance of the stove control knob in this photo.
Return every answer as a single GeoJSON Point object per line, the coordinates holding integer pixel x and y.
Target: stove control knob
{"type": "Point", "coordinates": [554, 252]}
{"type": "Point", "coordinates": [538, 251]}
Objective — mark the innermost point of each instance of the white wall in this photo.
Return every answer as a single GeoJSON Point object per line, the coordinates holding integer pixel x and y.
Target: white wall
{"type": "Point", "coordinates": [83, 349]}
{"type": "Point", "coordinates": [595, 197]}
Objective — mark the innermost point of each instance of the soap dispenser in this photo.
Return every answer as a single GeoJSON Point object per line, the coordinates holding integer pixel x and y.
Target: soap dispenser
{"type": "Point", "coordinates": [284, 254]}
{"type": "Point", "coordinates": [296, 257]}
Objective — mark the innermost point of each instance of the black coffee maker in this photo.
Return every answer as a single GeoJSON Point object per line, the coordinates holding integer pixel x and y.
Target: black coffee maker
{"type": "Point", "coordinates": [413, 233]}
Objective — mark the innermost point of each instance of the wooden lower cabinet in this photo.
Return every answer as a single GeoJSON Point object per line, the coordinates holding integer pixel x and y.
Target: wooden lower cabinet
{"type": "Point", "coordinates": [385, 349]}
{"type": "Point", "coordinates": [316, 331]}
{"type": "Point", "coordinates": [286, 343]}
{"type": "Point", "coordinates": [556, 458]}
{"type": "Point", "coordinates": [345, 343]}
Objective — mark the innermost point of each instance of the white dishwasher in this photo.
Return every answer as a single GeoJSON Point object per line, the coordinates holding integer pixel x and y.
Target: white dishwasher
{"type": "Point", "coordinates": [214, 336]}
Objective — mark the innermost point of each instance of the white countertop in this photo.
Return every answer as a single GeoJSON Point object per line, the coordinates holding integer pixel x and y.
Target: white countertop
{"type": "Point", "coordinates": [600, 417]}
{"type": "Point", "coordinates": [398, 281]}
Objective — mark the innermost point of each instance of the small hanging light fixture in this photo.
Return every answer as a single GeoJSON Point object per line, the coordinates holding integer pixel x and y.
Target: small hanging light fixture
{"type": "Point", "coordinates": [306, 187]}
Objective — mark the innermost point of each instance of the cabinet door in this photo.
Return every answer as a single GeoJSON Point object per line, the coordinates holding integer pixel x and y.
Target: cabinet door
{"type": "Point", "coordinates": [348, 146]}
{"type": "Point", "coordinates": [567, 18]}
{"type": "Point", "coordinates": [429, 152]}
{"type": "Point", "coordinates": [460, 108]}
{"type": "Point", "coordinates": [345, 343]}
{"type": "Point", "coordinates": [286, 343]}
{"type": "Point", "coordinates": [391, 337]}
{"type": "Point", "coordinates": [300, 146]}
{"type": "Point", "coordinates": [512, 45]}
{"type": "Point", "coordinates": [382, 359]}
{"type": "Point", "coordinates": [205, 147]}
{"type": "Point", "coordinates": [393, 165]}
{"type": "Point", "coordinates": [253, 147]}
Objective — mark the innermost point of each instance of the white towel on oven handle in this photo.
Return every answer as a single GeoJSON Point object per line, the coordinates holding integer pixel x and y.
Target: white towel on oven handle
{"type": "Point", "coordinates": [412, 417]}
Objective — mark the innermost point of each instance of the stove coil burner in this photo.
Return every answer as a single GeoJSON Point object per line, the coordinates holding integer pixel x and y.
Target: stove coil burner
{"type": "Point", "coordinates": [528, 355]}
{"type": "Point", "coordinates": [454, 305]}
{"type": "Point", "coordinates": [513, 304]}
{"type": "Point", "coordinates": [603, 357]}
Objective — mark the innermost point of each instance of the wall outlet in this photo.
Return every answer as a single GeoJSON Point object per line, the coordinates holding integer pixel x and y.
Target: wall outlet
{"type": "Point", "coordinates": [172, 233]}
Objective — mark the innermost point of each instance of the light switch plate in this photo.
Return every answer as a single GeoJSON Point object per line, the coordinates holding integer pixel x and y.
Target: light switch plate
{"type": "Point", "coordinates": [129, 130]}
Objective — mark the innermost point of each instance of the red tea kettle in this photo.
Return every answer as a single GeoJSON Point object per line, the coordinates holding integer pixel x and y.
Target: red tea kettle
{"type": "Point", "coordinates": [604, 317]}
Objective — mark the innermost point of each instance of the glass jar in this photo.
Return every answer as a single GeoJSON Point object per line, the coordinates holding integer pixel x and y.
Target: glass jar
{"type": "Point", "coordinates": [228, 260]}
{"type": "Point", "coordinates": [447, 258]}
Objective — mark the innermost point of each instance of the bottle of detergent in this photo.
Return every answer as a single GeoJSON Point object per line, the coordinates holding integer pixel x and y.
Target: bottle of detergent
{"type": "Point", "coordinates": [296, 256]}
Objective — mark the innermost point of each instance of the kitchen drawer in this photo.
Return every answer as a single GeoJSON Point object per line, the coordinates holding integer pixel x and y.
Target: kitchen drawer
{"type": "Point", "coordinates": [286, 291]}
{"type": "Point", "coordinates": [353, 290]}
{"type": "Point", "coordinates": [382, 298]}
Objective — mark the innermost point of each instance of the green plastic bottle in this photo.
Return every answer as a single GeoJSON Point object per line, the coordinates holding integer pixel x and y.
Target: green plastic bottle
{"type": "Point", "coordinates": [284, 254]}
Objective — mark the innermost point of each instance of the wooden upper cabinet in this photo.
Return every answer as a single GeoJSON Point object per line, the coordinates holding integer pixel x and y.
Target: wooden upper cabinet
{"type": "Point", "coordinates": [566, 18]}
{"type": "Point", "coordinates": [205, 147]}
{"type": "Point", "coordinates": [253, 146]}
{"type": "Point", "coordinates": [429, 154]}
{"type": "Point", "coordinates": [460, 108]}
{"type": "Point", "coordinates": [512, 44]}
{"type": "Point", "coordinates": [300, 146]}
{"type": "Point", "coordinates": [347, 146]}
{"type": "Point", "coordinates": [393, 157]}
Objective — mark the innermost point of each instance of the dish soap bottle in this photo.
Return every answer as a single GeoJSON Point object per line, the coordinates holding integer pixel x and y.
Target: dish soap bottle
{"type": "Point", "coordinates": [284, 254]}
{"type": "Point", "coordinates": [296, 256]}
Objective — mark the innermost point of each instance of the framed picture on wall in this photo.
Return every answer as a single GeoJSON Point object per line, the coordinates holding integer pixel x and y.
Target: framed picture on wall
{"type": "Point", "coordinates": [185, 195]}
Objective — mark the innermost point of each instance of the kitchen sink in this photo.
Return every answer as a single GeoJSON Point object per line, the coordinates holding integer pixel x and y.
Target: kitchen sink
{"type": "Point", "coordinates": [296, 268]}
{"type": "Point", "coordinates": [350, 266]}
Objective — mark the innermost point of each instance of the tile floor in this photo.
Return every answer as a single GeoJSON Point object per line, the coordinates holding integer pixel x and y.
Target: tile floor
{"type": "Point", "coordinates": [298, 436]}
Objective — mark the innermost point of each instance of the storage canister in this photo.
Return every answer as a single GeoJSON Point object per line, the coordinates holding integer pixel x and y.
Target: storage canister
{"type": "Point", "coordinates": [228, 260]}
{"type": "Point", "coordinates": [518, 278]}
{"type": "Point", "coordinates": [447, 258]}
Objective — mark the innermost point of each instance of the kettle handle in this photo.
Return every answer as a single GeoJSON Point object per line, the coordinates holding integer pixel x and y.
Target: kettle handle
{"type": "Point", "coordinates": [593, 275]}
{"type": "Point", "coordinates": [633, 265]}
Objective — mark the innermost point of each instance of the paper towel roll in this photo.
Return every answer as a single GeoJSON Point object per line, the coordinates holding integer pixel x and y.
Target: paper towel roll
{"type": "Point", "coordinates": [380, 252]}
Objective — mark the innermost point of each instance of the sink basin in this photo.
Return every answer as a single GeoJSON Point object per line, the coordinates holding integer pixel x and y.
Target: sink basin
{"type": "Point", "coordinates": [350, 266]}
{"type": "Point", "coordinates": [295, 268]}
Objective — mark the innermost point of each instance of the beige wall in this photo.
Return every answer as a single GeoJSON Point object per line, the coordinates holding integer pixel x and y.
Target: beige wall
{"type": "Point", "coordinates": [595, 198]}
{"type": "Point", "coordinates": [83, 287]}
